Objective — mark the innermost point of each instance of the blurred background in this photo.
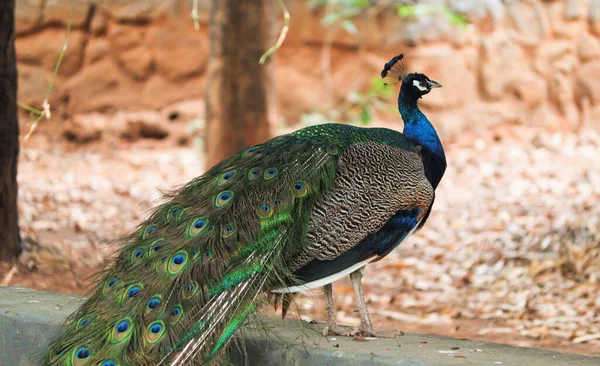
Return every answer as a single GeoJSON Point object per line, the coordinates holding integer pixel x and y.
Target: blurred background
{"type": "Point", "coordinates": [511, 252]}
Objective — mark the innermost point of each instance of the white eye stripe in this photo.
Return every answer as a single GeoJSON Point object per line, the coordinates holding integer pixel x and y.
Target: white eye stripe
{"type": "Point", "coordinates": [417, 83]}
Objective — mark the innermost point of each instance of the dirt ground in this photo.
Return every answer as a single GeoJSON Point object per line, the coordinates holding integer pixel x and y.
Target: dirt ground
{"type": "Point", "coordinates": [511, 252]}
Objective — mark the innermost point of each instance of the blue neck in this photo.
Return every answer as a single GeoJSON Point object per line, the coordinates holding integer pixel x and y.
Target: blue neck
{"type": "Point", "coordinates": [418, 128]}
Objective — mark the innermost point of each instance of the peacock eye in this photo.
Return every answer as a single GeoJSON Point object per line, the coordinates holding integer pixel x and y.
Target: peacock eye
{"type": "Point", "coordinates": [270, 173]}
{"type": "Point", "coordinates": [158, 246]}
{"type": "Point", "coordinates": [83, 353]}
{"type": "Point", "coordinates": [134, 291]}
{"type": "Point", "coordinates": [156, 328]}
{"type": "Point", "coordinates": [190, 289]}
{"type": "Point", "coordinates": [178, 259]}
{"type": "Point", "coordinates": [300, 189]}
{"type": "Point", "coordinates": [254, 173]}
{"type": "Point", "coordinates": [155, 331]}
{"type": "Point", "coordinates": [153, 303]}
{"type": "Point", "coordinates": [223, 198]}
{"type": "Point", "coordinates": [175, 314]}
{"type": "Point", "coordinates": [123, 326]}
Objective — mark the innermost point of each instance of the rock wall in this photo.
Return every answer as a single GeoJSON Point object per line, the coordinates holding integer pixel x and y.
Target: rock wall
{"type": "Point", "coordinates": [532, 62]}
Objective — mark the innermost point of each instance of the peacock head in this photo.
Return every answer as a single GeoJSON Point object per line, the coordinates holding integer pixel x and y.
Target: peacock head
{"type": "Point", "coordinates": [414, 85]}
{"type": "Point", "coordinates": [418, 85]}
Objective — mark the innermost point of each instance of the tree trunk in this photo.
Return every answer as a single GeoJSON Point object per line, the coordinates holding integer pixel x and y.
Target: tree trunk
{"type": "Point", "coordinates": [236, 99]}
{"type": "Point", "coordinates": [10, 246]}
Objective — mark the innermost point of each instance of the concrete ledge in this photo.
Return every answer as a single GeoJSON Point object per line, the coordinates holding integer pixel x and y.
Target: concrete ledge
{"type": "Point", "coordinates": [29, 319]}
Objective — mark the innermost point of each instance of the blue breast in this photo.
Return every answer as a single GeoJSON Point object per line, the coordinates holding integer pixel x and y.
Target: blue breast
{"type": "Point", "coordinates": [422, 133]}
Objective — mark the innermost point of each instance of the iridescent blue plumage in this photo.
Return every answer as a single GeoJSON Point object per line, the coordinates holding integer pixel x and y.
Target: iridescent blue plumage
{"type": "Point", "coordinates": [418, 128]}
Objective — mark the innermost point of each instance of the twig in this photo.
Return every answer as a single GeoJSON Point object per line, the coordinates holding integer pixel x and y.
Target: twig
{"type": "Point", "coordinates": [9, 275]}
{"type": "Point", "coordinates": [282, 35]}
{"type": "Point", "coordinates": [195, 15]}
{"type": "Point", "coordinates": [45, 112]}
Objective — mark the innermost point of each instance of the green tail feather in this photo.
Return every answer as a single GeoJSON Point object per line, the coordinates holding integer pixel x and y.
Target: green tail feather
{"type": "Point", "coordinates": [185, 281]}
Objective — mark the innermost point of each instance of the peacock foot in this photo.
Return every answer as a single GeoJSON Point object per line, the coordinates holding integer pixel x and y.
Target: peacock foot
{"type": "Point", "coordinates": [377, 333]}
{"type": "Point", "coordinates": [337, 331]}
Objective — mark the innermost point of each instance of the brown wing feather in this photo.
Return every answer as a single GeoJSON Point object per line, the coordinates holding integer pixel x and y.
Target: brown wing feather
{"type": "Point", "coordinates": [373, 181]}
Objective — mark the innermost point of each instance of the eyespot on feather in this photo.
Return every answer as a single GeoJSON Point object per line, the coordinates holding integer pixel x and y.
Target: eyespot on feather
{"type": "Point", "coordinates": [121, 331]}
{"type": "Point", "coordinates": [157, 245]}
{"type": "Point", "coordinates": [149, 230]}
{"type": "Point", "coordinates": [177, 263]}
{"type": "Point", "coordinates": [279, 204]}
{"type": "Point", "coordinates": [132, 291]}
{"type": "Point", "coordinates": [197, 226]}
{"type": "Point", "coordinates": [85, 321]}
{"type": "Point", "coordinates": [153, 303]}
{"type": "Point", "coordinates": [270, 173]}
{"type": "Point", "coordinates": [299, 189]}
{"type": "Point", "coordinates": [109, 285]}
{"type": "Point", "coordinates": [223, 198]}
{"type": "Point", "coordinates": [173, 212]}
{"type": "Point", "coordinates": [226, 178]}
{"type": "Point", "coordinates": [332, 149]}
{"type": "Point", "coordinates": [254, 174]}
{"type": "Point", "coordinates": [81, 356]}
{"type": "Point", "coordinates": [229, 230]}
{"type": "Point", "coordinates": [155, 332]}
{"type": "Point", "coordinates": [108, 363]}
{"type": "Point", "coordinates": [264, 211]}
{"type": "Point", "coordinates": [137, 255]}
{"type": "Point", "coordinates": [176, 314]}
{"type": "Point", "coordinates": [254, 151]}
{"type": "Point", "coordinates": [190, 290]}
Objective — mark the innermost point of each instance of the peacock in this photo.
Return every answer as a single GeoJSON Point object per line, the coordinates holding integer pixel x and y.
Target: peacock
{"type": "Point", "coordinates": [294, 213]}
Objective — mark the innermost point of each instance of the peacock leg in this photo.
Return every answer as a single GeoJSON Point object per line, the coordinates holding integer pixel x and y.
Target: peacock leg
{"type": "Point", "coordinates": [366, 328]}
{"type": "Point", "coordinates": [332, 328]}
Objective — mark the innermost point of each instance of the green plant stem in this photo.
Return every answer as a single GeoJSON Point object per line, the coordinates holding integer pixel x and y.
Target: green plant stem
{"type": "Point", "coordinates": [195, 15]}
{"type": "Point", "coordinates": [282, 35]}
{"type": "Point", "coordinates": [29, 108]}
{"type": "Point", "coordinates": [45, 112]}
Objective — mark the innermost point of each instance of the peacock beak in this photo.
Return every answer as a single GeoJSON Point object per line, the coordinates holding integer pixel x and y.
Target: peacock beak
{"type": "Point", "coordinates": [434, 84]}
